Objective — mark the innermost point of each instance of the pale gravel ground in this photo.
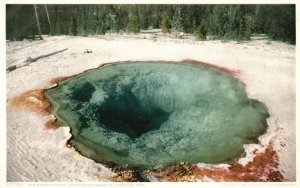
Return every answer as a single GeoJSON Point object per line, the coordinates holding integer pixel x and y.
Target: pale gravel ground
{"type": "Point", "coordinates": [37, 154]}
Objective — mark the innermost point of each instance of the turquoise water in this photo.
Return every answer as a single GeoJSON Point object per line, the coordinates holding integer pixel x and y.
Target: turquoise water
{"type": "Point", "coordinates": [148, 115]}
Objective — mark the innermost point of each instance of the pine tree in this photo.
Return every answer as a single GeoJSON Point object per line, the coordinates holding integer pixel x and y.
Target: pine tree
{"type": "Point", "coordinates": [201, 31]}
{"type": "Point", "coordinates": [177, 22]}
{"type": "Point", "coordinates": [235, 22]}
{"type": "Point", "coordinates": [133, 25]}
{"type": "Point", "coordinates": [244, 28]}
{"type": "Point", "coordinates": [73, 27]}
{"type": "Point", "coordinates": [166, 25]}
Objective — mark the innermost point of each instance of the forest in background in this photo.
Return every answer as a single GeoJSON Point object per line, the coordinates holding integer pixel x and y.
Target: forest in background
{"type": "Point", "coordinates": [234, 22]}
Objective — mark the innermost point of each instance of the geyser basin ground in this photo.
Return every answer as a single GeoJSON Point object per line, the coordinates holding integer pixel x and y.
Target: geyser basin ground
{"type": "Point", "coordinates": [151, 114]}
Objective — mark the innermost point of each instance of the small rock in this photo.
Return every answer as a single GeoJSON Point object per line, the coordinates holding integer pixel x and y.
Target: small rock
{"type": "Point", "coordinates": [88, 51]}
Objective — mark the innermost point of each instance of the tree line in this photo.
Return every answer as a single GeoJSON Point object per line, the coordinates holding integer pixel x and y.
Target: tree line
{"type": "Point", "coordinates": [237, 22]}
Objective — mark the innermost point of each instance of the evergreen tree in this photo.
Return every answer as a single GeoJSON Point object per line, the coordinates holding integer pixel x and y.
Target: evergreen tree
{"type": "Point", "coordinates": [144, 16]}
{"type": "Point", "coordinates": [235, 22]}
{"type": "Point", "coordinates": [244, 32]}
{"type": "Point", "coordinates": [166, 25]}
{"type": "Point", "coordinates": [112, 23]}
{"type": "Point", "coordinates": [201, 31]}
{"type": "Point", "coordinates": [260, 18]}
{"type": "Point", "coordinates": [73, 27]}
{"type": "Point", "coordinates": [234, 16]}
{"type": "Point", "coordinates": [177, 21]}
{"type": "Point", "coordinates": [133, 25]}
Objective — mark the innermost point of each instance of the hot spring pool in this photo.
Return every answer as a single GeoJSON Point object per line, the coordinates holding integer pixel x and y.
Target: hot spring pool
{"type": "Point", "coordinates": [148, 115]}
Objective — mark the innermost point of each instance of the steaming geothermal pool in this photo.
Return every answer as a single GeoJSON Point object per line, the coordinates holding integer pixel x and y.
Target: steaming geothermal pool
{"type": "Point", "coordinates": [148, 115]}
